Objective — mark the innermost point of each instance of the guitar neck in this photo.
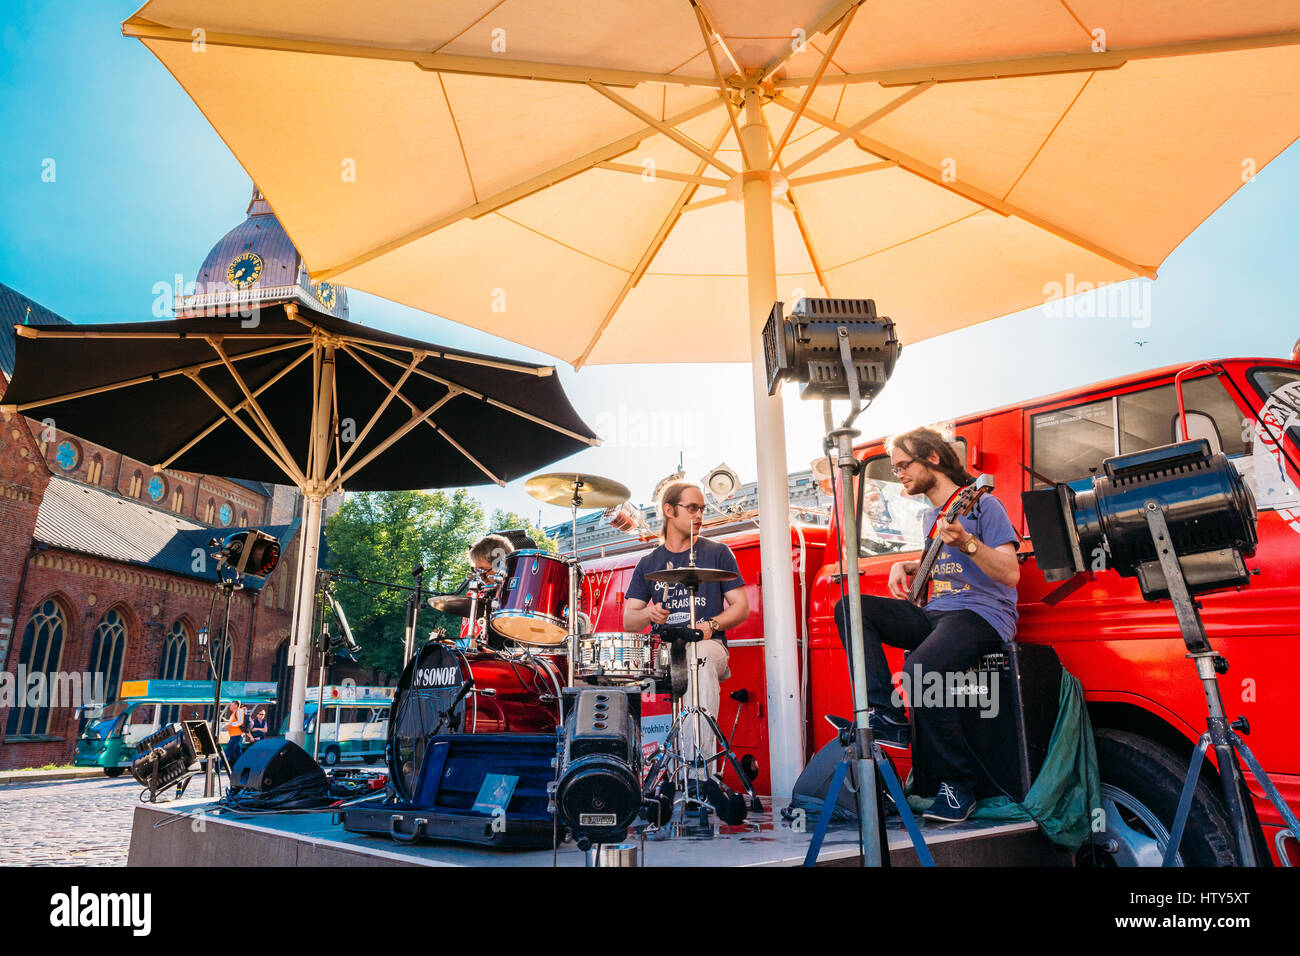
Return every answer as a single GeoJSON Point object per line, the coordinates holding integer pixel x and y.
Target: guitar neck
{"type": "Point", "coordinates": [921, 581]}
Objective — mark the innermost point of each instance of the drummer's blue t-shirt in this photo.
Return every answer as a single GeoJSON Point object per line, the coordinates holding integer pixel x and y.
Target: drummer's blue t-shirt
{"type": "Point", "coordinates": [958, 584]}
{"type": "Point", "coordinates": [708, 603]}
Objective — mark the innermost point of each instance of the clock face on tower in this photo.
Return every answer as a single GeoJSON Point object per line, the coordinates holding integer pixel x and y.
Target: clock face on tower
{"type": "Point", "coordinates": [325, 294]}
{"type": "Point", "coordinates": [244, 270]}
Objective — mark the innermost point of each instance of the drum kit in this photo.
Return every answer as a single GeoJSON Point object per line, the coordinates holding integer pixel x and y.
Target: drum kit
{"type": "Point", "coordinates": [529, 601]}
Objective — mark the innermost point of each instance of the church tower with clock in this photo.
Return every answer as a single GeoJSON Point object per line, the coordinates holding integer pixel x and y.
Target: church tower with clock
{"type": "Point", "coordinates": [256, 262]}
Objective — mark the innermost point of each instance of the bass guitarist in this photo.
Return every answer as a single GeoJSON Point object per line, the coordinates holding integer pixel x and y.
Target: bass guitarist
{"type": "Point", "coordinates": [971, 611]}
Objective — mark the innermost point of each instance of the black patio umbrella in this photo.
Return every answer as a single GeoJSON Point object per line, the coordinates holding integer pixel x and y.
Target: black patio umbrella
{"type": "Point", "coordinates": [290, 395]}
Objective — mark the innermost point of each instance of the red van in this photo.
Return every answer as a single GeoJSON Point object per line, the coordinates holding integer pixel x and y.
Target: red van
{"type": "Point", "coordinates": [1146, 705]}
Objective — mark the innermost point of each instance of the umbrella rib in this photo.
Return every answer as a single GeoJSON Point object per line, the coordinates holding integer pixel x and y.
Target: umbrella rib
{"type": "Point", "coordinates": [821, 26]}
{"type": "Point", "coordinates": [479, 395]}
{"type": "Point", "coordinates": [238, 408]}
{"type": "Point", "coordinates": [841, 173]}
{"type": "Point", "coordinates": [664, 174]}
{"type": "Point", "coordinates": [663, 127]}
{"type": "Point", "coordinates": [682, 203]}
{"type": "Point", "coordinates": [514, 193]}
{"type": "Point", "coordinates": [812, 87]}
{"type": "Point", "coordinates": [977, 196]}
{"type": "Point", "coordinates": [1050, 63]}
{"type": "Point", "coordinates": [267, 428]}
{"type": "Point", "coordinates": [711, 33]}
{"type": "Point", "coordinates": [461, 448]}
{"type": "Point", "coordinates": [139, 379]}
{"type": "Point", "coordinates": [286, 465]}
{"type": "Point", "coordinates": [144, 29]}
{"type": "Point", "coordinates": [541, 371]}
{"type": "Point", "coordinates": [848, 132]}
{"type": "Point", "coordinates": [397, 436]}
{"type": "Point", "coordinates": [799, 222]}
{"type": "Point", "coordinates": [393, 389]}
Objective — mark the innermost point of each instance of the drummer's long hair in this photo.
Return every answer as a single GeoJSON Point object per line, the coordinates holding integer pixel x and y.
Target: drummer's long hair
{"type": "Point", "coordinates": [672, 496]}
{"type": "Point", "coordinates": [919, 443]}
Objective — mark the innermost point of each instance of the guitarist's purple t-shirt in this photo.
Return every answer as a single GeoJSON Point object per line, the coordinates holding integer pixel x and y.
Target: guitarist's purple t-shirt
{"type": "Point", "coordinates": [957, 583]}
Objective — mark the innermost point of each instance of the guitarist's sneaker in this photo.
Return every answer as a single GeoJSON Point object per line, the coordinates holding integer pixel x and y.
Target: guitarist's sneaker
{"type": "Point", "coordinates": [889, 732]}
{"type": "Point", "coordinates": [951, 805]}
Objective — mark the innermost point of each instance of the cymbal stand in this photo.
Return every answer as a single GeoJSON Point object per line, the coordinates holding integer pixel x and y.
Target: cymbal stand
{"type": "Point", "coordinates": [574, 577]}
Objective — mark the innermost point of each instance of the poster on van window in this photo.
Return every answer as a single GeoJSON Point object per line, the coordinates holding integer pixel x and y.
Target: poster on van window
{"type": "Point", "coordinates": [890, 516]}
{"type": "Point", "coordinates": [1263, 469]}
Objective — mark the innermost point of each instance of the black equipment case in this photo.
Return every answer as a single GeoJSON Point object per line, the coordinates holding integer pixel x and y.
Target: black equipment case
{"type": "Point", "coordinates": [451, 775]}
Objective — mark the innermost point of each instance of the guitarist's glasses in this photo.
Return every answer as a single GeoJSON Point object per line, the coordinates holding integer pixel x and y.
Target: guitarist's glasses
{"type": "Point", "coordinates": [902, 466]}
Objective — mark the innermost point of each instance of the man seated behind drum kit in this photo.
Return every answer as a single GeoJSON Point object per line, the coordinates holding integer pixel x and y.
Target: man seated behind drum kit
{"type": "Point", "coordinates": [719, 605]}
{"type": "Point", "coordinates": [487, 555]}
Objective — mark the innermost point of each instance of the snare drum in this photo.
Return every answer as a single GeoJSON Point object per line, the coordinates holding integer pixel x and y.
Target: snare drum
{"type": "Point", "coordinates": [532, 603]}
{"type": "Point", "coordinates": [617, 657]}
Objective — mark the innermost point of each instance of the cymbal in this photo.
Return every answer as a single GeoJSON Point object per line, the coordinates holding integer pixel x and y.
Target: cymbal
{"type": "Point", "coordinates": [454, 604]}
{"type": "Point", "coordinates": [557, 488]}
{"type": "Point", "coordinates": [691, 576]}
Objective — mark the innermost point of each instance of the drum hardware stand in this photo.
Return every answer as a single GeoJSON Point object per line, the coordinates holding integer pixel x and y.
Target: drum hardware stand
{"type": "Point", "coordinates": [1220, 733]}
{"type": "Point", "coordinates": [696, 769]}
{"type": "Point", "coordinates": [412, 613]}
{"type": "Point", "coordinates": [574, 573]}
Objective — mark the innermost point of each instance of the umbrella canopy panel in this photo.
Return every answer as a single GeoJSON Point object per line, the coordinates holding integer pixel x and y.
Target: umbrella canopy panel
{"type": "Point", "coordinates": [159, 392]}
{"type": "Point", "coordinates": [496, 161]}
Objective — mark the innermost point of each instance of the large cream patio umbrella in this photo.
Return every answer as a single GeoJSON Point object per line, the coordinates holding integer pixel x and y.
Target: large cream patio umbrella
{"type": "Point", "coordinates": [649, 176]}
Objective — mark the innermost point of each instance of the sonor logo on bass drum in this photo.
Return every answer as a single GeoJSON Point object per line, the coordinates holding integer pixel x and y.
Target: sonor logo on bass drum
{"type": "Point", "coordinates": [596, 819]}
{"type": "Point", "coordinates": [437, 677]}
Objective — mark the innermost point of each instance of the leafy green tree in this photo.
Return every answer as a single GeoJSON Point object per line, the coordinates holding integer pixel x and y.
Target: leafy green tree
{"type": "Point", "coordinates": [508, 520]}
{"type": "Point", "coordinates": [383, 536]}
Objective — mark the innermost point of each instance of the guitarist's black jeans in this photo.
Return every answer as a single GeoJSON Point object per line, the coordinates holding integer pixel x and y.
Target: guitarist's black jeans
{"type": "Point", "coordinates": [942, 642]}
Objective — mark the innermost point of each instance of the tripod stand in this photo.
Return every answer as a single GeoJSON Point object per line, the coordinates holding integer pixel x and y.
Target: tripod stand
{"type": "Point", "coordinates": [1220, 734]}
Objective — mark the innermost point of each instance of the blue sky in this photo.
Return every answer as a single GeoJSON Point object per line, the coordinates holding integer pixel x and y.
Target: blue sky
{"type": "Point", "coordinates": [143, 187]}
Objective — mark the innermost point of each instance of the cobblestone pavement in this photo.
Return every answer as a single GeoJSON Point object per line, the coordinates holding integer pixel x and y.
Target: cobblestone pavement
{"type": "Point", "coordinates": [69, 823]}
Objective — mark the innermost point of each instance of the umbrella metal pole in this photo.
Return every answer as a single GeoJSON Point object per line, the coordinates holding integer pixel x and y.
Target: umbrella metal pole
{"type": "Point", "coordinates": [318, 462]}
{"type": "Point", "coordinates": [780, 650]}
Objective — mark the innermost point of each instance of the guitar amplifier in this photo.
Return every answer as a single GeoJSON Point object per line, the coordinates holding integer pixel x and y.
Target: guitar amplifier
{"type": "Point", "coordinates": [1010, 727]}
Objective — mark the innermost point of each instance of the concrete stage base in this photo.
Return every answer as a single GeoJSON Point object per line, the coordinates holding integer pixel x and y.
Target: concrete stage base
{"type": "Point", "coordinates": [189, 833]}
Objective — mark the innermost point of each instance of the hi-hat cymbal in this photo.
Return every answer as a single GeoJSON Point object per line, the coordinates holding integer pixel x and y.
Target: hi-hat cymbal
{"type": "Point", "coordinates": [691, 576]}
{"type": "Point", "coordinates": [557, 488]}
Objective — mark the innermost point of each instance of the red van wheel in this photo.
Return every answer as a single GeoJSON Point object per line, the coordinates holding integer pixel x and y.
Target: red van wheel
{"type": "Point", "coordinates": [1140, 782]}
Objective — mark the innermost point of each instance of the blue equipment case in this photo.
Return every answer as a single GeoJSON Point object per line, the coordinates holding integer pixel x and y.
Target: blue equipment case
{"type": "Point", "coordinates": [451, 776]}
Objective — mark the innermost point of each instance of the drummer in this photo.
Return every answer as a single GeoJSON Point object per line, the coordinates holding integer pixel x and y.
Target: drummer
{"type": "Point", "coordinates": [720, 605]}
{"type": "Point", "coordinates": [488, 555]}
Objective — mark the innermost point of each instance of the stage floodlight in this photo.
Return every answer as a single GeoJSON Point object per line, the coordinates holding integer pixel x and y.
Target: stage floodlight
{"type": "Point", "coordinates": [808, 347]}
{"type": "Point", "coordinates": [1210, 512]}
{"type": "Point", "coordinates": [722, 482]}
{"type": "Point", "coordinates": [250, 552]}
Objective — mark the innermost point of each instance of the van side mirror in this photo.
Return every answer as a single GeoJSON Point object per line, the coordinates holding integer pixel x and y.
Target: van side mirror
{"type": "Point", "coordinates": [1201, 426]}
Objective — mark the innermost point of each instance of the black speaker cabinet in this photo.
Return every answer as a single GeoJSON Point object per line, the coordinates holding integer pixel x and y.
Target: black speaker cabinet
{"type": "Point", "coordinates": [1010, 739]}
{"type": "Point", "coordinates": [271, 762]}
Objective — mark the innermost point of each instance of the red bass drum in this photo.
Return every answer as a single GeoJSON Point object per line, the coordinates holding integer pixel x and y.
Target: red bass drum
{"type": "Point", "coordinates": [445, 690]}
